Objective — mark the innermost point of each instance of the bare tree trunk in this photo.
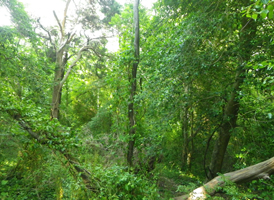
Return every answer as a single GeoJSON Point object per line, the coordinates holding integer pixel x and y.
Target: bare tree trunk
{"type": "Point", "coordinates": [261, 170]}
{"type": "Point", "coordinates": [57, 88]}
{"type": "Point", "coordinates": [62, 58]}
{"type": "Point", "coordinates": [61, 61]}
{"type": "Point", "coordinates": [131, 113]}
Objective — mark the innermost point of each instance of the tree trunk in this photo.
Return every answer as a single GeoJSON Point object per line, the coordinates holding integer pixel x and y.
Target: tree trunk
{"type": "Point", "coordinates": [261, 170]}
{"type": "Point", "coordinates": [61, 61]}
{"type": "Point", "coordinates": [189, 155]}
{"type": "Point", "coordinates": [185, 136]}
{"type": "Point", "coordinates": [187, 132]}
{"type": "Point", "coordinates": [57, 87]}
{"type": "Point", "coordinates": [247, 33]}
{"type": "Point", "coordinates": [229, 123]}
{"type": "Point", "coordinates": [131, 113]}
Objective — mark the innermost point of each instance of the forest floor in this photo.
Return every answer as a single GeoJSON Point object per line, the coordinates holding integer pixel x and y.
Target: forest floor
{"type": "Point", "coordinates": [172, 182]}
{"type": "Point", "coordinates": [168, 187]}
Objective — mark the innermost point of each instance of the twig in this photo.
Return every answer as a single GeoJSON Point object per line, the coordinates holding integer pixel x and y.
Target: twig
{"type": "Point", "coordinates": [49, 35]}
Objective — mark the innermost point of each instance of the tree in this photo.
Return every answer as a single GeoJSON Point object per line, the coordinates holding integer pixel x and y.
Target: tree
{"type": "Point", "coordinates": [124, 79]}
{"type": "Point", "coordinates": [133, 81]}
{"type": "Point", "coordinates": [62, 58]}
{"type": "Point", "coordinates": [202, 82]}
{"type": "Point", "coordinates": [246, 37]}
{"type": "Point", "coordinates": [28, 114]}
{"type": "Point", "coordinates": [195, 54]}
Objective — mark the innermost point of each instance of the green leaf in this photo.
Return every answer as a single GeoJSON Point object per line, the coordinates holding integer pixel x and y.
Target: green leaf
{"type": "Point", "coordinates": [254, 16]}
{"type": "Point", "coordinates": [258, 6]}
{"type": "Point", "coordinates": [264, 13]}
{"type": "Point", "coordinates": [4, 182]}
{"type": "Point", "coordinates": [270, 14]}
{"type": "Point", "coordinates": [126, 187]}
{"type": "Point", "coordinates": [264, 1]}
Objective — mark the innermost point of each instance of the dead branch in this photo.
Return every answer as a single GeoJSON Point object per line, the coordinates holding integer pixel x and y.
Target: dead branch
{"type": "Point", "coordinates": [65, 16]}
{"type": "Point", "coordinates": [261, 170]}
{"type": "Point", "coordinates": [73, 64]}
{"type": "Point", "coordinates": [49, 35]}
{"type": "Point", "coordinates": [59, 24]}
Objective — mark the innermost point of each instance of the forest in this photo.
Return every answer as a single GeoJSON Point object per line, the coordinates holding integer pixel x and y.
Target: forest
{"type": "Point", "coordinates": [181, 106]}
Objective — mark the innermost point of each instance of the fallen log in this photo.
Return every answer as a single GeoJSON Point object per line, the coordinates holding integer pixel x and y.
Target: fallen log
{"type": "Point", "coordinates": [261, 170]}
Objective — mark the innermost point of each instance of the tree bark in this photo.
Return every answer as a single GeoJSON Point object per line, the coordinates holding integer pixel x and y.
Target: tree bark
{"type": "Point", "coordinates": [261, 170]}
{"type": "Point", "coordinates": [61, 61]}
{"type": "Point", "coordinates": [131, 113]}
{"type": "Point", "coordinates": [57, 88]}
{"type": "Point", "coordinates": [229, 123]}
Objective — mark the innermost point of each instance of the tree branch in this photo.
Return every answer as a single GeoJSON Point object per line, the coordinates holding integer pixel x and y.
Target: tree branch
{"type": "Point", "coordinates": [59, 24]}
{"type": "Point", "coordinates": [49, 35]}
{"type": "Point", "coordinates": [70, 38]}
{"type": "Point", "coordinates": [17, 116]}
{"type": "Point", "coordinates": [95, 52]}
{"type": "Point", "coordinates": [65, 16]}
{"type": "Point", "coordinates": [73, 64]}
{"type": "Point", "coordinates": [84, 173]}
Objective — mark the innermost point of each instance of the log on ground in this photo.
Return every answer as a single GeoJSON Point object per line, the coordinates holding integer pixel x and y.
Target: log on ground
{"type": "Point", "coordinates": [261, 170]}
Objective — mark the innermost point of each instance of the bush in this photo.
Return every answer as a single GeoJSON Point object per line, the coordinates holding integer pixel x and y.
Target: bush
{"type": "Point", "coordinates": [117, 183]}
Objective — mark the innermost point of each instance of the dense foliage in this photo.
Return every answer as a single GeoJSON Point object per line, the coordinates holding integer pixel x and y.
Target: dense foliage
{"type": "Point", "coordinates": [203, 103]}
